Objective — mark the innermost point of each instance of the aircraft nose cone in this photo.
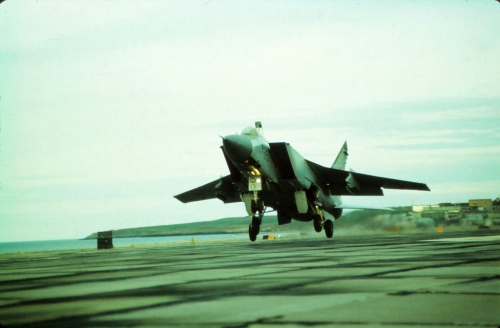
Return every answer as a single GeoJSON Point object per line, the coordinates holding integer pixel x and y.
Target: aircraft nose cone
{"type": "Point", "coordinates": [237, 147]}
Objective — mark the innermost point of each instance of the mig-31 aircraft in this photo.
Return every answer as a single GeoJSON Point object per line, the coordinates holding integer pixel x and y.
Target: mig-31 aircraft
{"type": "Point", "coordinates": [274, 175]}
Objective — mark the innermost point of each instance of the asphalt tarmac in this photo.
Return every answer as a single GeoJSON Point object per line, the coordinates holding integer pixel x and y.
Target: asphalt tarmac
{"type": "Point", "coordinates": [419, 280]}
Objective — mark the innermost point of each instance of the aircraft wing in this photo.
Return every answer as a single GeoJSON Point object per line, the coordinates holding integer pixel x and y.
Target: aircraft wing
{"type": "Point", "coordinates": [340, 182]}
{"type": "Point", "coordinates": [222, 189]}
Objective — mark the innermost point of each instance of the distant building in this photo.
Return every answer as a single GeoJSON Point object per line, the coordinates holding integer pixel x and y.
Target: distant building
{"type": "Point", "coordinates": [421, 208]}
{"type": "Point", "coordinates": [477, 212]}
{"type": "Point", "coordinates": [480, 203]}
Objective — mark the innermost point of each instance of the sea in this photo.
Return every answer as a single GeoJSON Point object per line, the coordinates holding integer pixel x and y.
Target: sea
{"type": "Point", "coordinates": [71, 244]}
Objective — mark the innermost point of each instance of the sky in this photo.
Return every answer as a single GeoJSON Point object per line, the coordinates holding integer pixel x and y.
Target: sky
{"type": "Point", "coordinates": [109, 108]}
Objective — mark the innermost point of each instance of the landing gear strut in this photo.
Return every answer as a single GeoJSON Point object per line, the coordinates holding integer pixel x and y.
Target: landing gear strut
{"type": "Point", "coordinates": [257, 206]}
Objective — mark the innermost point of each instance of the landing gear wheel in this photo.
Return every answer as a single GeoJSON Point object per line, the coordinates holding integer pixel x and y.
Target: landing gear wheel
{"type": "Point", "coordinates": [251, 234]}
{"type": "Point", "coordinates": [255, 225]}
{"type": "Point", "coordinates": [328, 228]}
{"type": "Point", "coordinates": [317, 223]}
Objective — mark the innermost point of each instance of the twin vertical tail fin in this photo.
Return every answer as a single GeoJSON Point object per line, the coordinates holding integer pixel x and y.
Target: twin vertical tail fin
{"type": "Point", "coordinates": [258, 127]}
{"type": "Point", "coordinates": [341, 159]}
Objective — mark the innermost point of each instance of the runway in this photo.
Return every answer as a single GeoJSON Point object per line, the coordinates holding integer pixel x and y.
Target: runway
{"type": "Point", "coordinates": [418, 280]}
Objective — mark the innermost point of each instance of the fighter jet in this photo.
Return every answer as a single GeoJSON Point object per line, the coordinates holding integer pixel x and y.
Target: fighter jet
{"type": "Point", "coordinates": [274, 175]}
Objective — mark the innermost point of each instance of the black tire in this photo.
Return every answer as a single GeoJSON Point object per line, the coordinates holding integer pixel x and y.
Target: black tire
{"type": "Point", "coordinates": [255, 225]}
{"type": "Point", "coordinates": [251, 234]}
{"type": "Point", "coordinates": [328, 228]}
{"type": "Point", "coordinates": [317, 223]}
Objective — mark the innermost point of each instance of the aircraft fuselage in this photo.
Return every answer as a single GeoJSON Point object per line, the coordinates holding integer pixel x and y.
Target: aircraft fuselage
{"type": "Point", "coordinates": [252, 156]}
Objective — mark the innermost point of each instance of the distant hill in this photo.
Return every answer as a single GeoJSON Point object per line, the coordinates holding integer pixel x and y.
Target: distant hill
{"type": "Point", "coordinates": [362, 218]}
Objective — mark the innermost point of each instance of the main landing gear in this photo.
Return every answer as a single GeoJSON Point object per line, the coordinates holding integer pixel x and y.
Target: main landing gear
{"type": "Point", "coordinates": [320, 223]}
{"type": "Point", "coordinates": [328, 228]}
{"type": "Point", "coordinates": [257, 206]}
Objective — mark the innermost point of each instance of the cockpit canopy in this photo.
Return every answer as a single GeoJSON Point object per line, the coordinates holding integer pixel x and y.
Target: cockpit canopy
{"type": "Point", "coordinates": [248, 131]}
{"type": "Point", "coordinates": [255, 132]}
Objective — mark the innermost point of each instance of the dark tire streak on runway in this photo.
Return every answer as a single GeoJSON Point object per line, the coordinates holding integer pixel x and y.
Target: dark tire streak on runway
{"type": "Point", "coordinates": [170, 280]}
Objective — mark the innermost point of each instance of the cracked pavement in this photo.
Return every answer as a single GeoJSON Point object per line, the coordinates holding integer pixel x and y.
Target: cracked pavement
{"type": "Point", "coordinates": [428, 280]}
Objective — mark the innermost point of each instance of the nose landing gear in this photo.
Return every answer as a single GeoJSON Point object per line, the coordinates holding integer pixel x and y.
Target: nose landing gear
{"type": "Point", "coordinates": [256, 206]}
{"type": "Point", "coordinates": [254, 228]}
